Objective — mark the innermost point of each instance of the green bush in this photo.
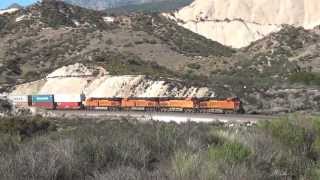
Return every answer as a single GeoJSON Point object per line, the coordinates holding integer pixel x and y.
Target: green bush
{"type": "Point", "coordinates": [127, 149]}
{"type": "Point", "coordinates": [298, 137]}
{"type": "Point", "coordinates": [24, 126]}
{"type": "Point", "coordinates": [231, 152]}
{"type": "Point", "coordinates": [307, 78]}
{"type": "Point", "coordinates": [186, 165]}
{"type": "Point", "coordinates": [194, 66]}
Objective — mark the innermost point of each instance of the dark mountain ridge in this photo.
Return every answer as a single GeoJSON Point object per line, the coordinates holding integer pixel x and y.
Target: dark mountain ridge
{"type": "Point", "coordinates": [129, 5]}
{"type": "Point", "coordinates": [15, 5]}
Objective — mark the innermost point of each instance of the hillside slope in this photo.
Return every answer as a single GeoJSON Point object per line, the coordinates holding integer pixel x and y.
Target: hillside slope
{"type": "Point", "coordinates": [237, 23]}
{"type": "Point", "coordinates": [279, 73]}
{"type": "Point", "coordinates": [46, 36]}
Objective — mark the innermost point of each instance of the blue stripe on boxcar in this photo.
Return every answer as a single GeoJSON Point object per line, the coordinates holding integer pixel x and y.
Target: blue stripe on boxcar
{"type": "Point", "coordinates": [42, 98]}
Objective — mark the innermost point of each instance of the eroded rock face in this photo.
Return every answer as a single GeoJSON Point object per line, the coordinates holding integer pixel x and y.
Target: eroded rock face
{"type": "Point", "coordinates": [77, 79]}
{"type": "Point", "coordinates": [8, 11]}
{"type": "Point", "coordinates": [237, 23]}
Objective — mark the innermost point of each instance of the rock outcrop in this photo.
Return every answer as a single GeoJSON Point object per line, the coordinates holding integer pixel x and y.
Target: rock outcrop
{"type": "Point", "coordinates": [237, 23]}
{"type": "Point", "coordinates": [77, 79]}
{"type": "Point", "coordinates": [8, 11]}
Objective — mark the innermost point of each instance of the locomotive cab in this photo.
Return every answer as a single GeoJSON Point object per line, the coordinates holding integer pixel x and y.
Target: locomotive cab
{"type": "Point", "coordinates": [237, 104]}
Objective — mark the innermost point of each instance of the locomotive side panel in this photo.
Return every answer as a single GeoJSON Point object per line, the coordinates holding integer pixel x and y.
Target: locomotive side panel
{"type": "Point", "coordinates": [140, 104]}
{"type": "Point", "coordinates": [109, 103]}
{"type": "Point", "coordinates": [91, 103]}
{"type": "Point", "coordinates": [228, 105]}
{"type": "Point", "coordinates": [187, 105]}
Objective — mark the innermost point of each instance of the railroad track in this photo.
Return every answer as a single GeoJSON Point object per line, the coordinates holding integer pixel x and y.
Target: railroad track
{"type": "Point", "coordinates": [165, 116]}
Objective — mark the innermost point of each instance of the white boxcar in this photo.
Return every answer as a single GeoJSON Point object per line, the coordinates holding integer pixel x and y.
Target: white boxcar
{"type": "Point", "coordinates": [20, 101]}
{"type": "Point", "coordinates": [18, 98]}
{"type": "Point", "coordinates": [67, 98]}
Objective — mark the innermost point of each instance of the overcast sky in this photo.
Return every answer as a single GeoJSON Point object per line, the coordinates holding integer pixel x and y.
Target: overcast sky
{"type": "Point", "coordinates": [6, 3]}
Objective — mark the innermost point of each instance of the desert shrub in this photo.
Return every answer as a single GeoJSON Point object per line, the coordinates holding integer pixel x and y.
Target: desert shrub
{"type": "Point", "coordinates": [31, 75]}
{"type": "Point", "coordinates": [13, 65]}
{"type": "Point", "coordinates": [298, 137]}
{"type": "Point", "coordinates": [24, 126]}
{"type": "Point", "coordinates": [134, 62]}
{"type": "Point", "coordinates": [230, 152]}
{"type": "Point", "coordinates": [307, 78]}
{"type": "Point", "coordinates": [292, 131]}
{"type": "Point", "coordinates": [186, 165]}
{"type": "Point", "coordinates": [137, 42]}
{"type": "Point", "coordinates": [5, 106]}
{"type": "Point", "coordinates": [194, 66]}
{"type": "Point", "coordinates": [130, 173]}
{"type": "Point", "coordinates": [128, 45]}
{"type": "Point", "coordinates": [122, 149]}
{"type": "Point", "coordinates": [109, 41]}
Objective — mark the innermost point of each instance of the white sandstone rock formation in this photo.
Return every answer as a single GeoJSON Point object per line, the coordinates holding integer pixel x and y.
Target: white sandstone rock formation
{"type": "Point", "coordinates": [78, 79]}
{"type": "Point", "coordinates": [237, 23]}
{"type": "Point", "coordinates": [9, 11]}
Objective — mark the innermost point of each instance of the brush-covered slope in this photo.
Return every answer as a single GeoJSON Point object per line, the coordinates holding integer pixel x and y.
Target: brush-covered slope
{"type": "Point", "coordinates": [237, 23]}
{"type": "Point", "coordinates": [48, 35]}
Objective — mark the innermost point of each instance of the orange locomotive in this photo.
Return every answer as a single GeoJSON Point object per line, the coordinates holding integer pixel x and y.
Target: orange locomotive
{"type": "Point", "coordinates": [178, 104]}
{"type": "Point", "coordinates": [225, 106]}
{"type": "Point", "coordinates": [103, 103]}
{"type": "Point", "coordinates": [167, 104]}
{"type": "Point", "coordinates": [147, 104]}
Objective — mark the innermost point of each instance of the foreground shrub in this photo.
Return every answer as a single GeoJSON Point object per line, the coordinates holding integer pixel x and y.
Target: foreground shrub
{"type": "Point", "coordinates": [25, 126]}
{"type": "Point", "coordinates": [298, 140]}
{"type": "Point", "coordinates": [307, 78]}
{"type": "Point", "coordinates": [230, 152]}
{"type": "Point", "coordinates": [186, 165]}
{"type": "Point", "coordinates": [286, 148]}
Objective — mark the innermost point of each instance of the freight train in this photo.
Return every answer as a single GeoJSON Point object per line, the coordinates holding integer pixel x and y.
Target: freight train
{"type": "Point", "coordinates": [161, 104]}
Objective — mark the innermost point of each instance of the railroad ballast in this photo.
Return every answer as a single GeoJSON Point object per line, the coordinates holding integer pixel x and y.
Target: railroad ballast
{"type": "Point", "coordinates": [163, 104]}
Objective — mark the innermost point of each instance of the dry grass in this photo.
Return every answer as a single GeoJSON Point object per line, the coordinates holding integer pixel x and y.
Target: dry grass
{"type": "Point", "coordinates": [122, 150]}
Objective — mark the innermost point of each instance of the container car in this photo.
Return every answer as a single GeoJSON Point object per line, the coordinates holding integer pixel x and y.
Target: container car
{"type": "Point", "coordinates": [43, 101]}
{"type": "Point", "coordinates": [68, 101]}
{"type": "Point", "coordinates": [20, 101]}
{"type": "Point", "coordinates": [68, 105]}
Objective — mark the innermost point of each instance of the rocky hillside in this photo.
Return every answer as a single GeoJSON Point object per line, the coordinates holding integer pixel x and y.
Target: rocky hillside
{"type": "Point", "coordinates": [238, 23]}
{"type": "Point", "coordinates": [278, 73]}
{"type": "Point", "coordinates": [48, 35]}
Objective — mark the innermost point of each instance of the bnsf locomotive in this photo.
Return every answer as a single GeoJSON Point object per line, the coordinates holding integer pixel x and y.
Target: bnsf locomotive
{"type": "Point", "coordinates": [166, 104]}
